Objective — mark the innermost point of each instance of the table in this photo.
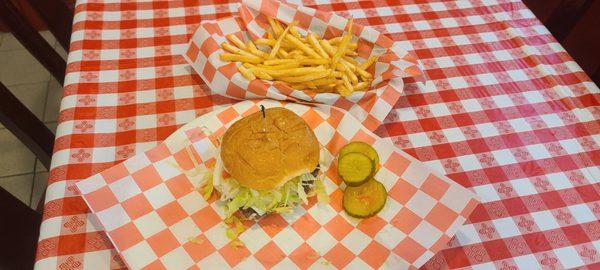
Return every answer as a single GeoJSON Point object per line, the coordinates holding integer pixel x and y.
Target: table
{"type": "Point", "coordinates": [504, 111]}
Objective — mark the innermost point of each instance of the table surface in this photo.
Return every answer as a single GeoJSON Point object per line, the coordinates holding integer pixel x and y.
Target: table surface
{"type": "Point", "coordinates": [504, 111]}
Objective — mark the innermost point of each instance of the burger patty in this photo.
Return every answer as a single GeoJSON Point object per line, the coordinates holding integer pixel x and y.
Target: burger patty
{"type": "Point", "coordinates": [316, 171]}
{"type": "Point", "coordinates": [249, 213]}
{"type": "Point", "coordinates": [308, 185]}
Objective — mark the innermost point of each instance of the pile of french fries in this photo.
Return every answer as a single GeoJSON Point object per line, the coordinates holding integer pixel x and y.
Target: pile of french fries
{"type": "Point", "coordinates": [302, 62]}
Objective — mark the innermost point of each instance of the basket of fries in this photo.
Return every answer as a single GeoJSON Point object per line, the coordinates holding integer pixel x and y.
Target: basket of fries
{"type": "Point", "coordinates": [286, 52]}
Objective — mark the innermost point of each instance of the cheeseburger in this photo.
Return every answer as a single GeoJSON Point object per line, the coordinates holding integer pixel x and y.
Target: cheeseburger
{"type": "Point", "coordinates": [268, 162]}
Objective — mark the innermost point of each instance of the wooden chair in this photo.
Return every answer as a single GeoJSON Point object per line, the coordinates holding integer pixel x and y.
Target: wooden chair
{"type": "Point", "coordinates": [565, 16]}
{"type": "Point", "coordinates": [32, 40]}
{"type": "Point", "coordinates": [16, 117]}
{"type": "Point", "coordinates": [26, 126]}
{"type": "Point", "coordinates": [19, 229]}
{"type": "Point", "coordinates": [19, 224]}
{"type": "Point", "coordinates": [58, 17]}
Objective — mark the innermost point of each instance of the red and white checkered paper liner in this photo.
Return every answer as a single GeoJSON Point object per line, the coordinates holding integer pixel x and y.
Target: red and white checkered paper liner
{"type": "Point", "coordinates": [150, 209]}
{"type": "Point", "coordinates": [370, 107]}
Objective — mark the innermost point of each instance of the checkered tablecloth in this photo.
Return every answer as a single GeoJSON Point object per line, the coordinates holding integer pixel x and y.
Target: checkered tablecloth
{"type": "Point", "coordinates": [505, 111]}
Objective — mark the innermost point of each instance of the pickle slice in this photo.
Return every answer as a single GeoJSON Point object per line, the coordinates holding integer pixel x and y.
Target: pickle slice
{"type": "Point", "coordinates": [363, 148]}
{"type": "Point", "coordinates": [355, 168]}
{"type": "Point", "coordinates": [365, 200]}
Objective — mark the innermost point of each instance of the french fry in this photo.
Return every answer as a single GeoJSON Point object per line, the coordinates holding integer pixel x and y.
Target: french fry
{"type": "Point", "coordinates": [298, 56]}
{"type": "Point", "coordinates": [261, 74]}
{"type": "Point", "coordinates": [325, 81]}
{"type": "Point", "coordinates": [270, 34]}
{"type": "Point", "coordinates": [276, 68]}
{"type": "Point", "coordinates": [351, 76]}
{"type": "Point", "coordinates": [311, 85]}
{"type": "Point", "coordinates": [335, 40]}
{"type": "Point", "coordinates": [327, 47]}
{"type": "Point", "coordinates": [277, 29]}
{"type": "Point", "coordinates": [361, 86]}
{"type": "Point", "coordinates": [271, 42]}
{"type": "Point", "coordinates": [343, 90]}
{"type": "Point", "coordinates": [337, 74]}
{"type": "Point", "coordinates": [294, 71]}
{"type": "Point", "coordinates": [348, 65]}
{"type": "Point", "coordinates": [240, 58]}
{"type": "Point", "coordinates": [236, 50]}
{"type": "Point", "coordinates": [296, 42]}
{"type": "Point", "coordinates": [326, 88]}
{"type": "Point", "coordinates": [369, 62]}
{"type": "Point", "coordinates": [332, 50]}
{"type": "Point", "coordinates": [278, 25]}
{"type": "Point", "coordinates": [252, 48]}
{"type": "Point", "coordinates": [347, 83]}
{"type": "Point", "coordinates": [279, 39]}
{"type": "Point", "coordinates": [295, 33]}
{"type": "Point", "coordinates": [350, 60]}
{"type": "Point", "coordinates": [292, 56]}
{"type": "Point", "coordinates": [283, 53]}
{"type": "Point", "coordinates": [312, 40]}
{"type": "Point", "coordinates": [364, 74]}
{"type": "Point", "coordinates": [282, 66]}
{"type": "Point", "coordinates": [340, 67]}
{"type": "Point", "coordinates": [265, 41]}
{"type": "Point", "coordinates": [246, 73]}
{"type": "Point", "coordinates": [313, 61]}
{"type": "Point", "coordinates": [272, 62]}
{"type": "Point", "coordinates": [306, 78]}
{"type": "Point", "coordinates": [307, 61]}
{"type": "Point", "coordinates": [236, 41]}
{"type": "Point", "coordinates": [343, 44]}
{"type": "Point", "coordinates": [295, 53]}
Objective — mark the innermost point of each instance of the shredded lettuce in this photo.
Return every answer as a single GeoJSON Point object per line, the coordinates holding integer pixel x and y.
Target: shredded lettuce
{"type": "Point", "coordinates": [279, 200]}
{"type": "Point", "coordinates": [208, 186]}
{"type": "Point", "coordinates": [319, 189]}
{"type": "Point", "coordinates": [266, 201]}
{"type": "Point", "coordinates": [300, 189]}
{"type": "Point", "coordinates": [235, 227]}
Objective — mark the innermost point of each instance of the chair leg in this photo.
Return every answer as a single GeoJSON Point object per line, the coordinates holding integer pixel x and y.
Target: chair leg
{"type": "Point", "coordinates": [26, 126]}
{"type": "Point", "coordinates": [32, 40]}
{"type": "Point", "coordinates": [19, 231]}
{"type": "Point", "coordinates": [58, 17]}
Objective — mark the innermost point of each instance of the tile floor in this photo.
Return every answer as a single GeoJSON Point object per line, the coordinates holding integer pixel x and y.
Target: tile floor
{"type": "Point", "coordinates": [20, 72]}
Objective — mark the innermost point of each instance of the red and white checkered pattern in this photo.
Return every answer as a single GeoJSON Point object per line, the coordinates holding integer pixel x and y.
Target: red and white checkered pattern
{"type": "Point", "coordinates": [505, 112]}
{"type": "Point", "coordinates": [370, 107]}
{"type": "Point", "coordinates": [150, 207]}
